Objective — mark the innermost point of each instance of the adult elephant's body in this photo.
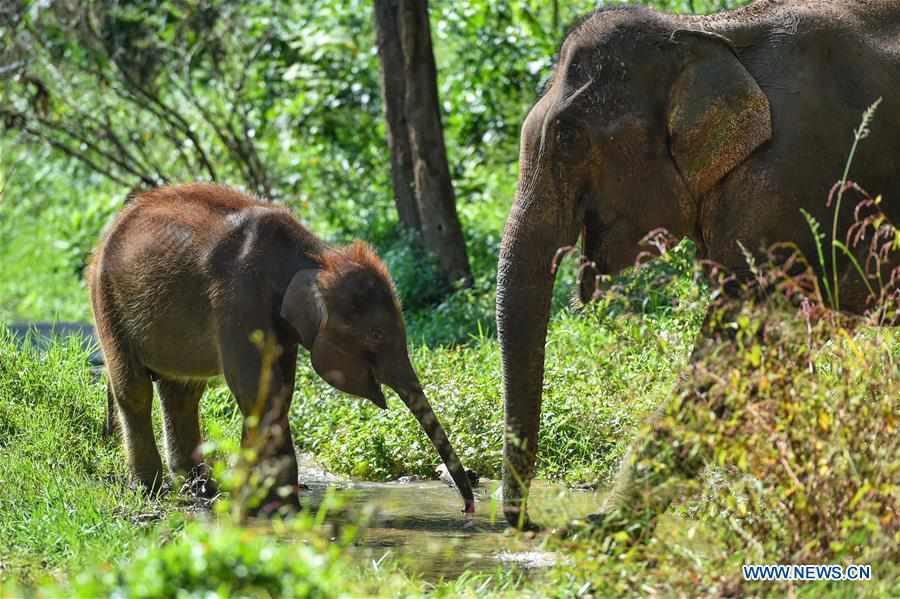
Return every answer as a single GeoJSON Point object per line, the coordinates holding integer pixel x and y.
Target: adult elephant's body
{"type": "Point", "coordinates": [717, 128]}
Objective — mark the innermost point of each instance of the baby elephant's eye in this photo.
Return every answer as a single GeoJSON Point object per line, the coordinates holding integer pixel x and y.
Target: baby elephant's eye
{"type": "Point", "coordinates": [376, 335]}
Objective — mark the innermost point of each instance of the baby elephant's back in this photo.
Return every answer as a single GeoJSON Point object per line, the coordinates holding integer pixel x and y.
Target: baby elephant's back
{"type": "Point", "coordinates": [161, 243]}
{"type": "Point", "coordinates": [152, 274]}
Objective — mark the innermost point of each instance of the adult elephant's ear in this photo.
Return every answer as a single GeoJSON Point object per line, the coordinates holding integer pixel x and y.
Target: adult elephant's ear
{"type": "Point", "coordinates": [303, 307]}
{"type": "Point", "coordinates": [717, 113]}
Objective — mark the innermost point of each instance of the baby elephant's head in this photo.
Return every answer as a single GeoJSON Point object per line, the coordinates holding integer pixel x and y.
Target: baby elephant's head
{"type": "Point", "coordinates": [348, 316]}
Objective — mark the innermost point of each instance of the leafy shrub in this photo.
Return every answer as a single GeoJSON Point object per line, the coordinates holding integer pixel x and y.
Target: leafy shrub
{"type": "Point", "coordinates": [792, 421]}
{"type": "Point", "coordinates": [222, 561]}
{"type": "Point", "coordinates": [811, 430]}
{"type": "Point", "coordinates": [416, 273]}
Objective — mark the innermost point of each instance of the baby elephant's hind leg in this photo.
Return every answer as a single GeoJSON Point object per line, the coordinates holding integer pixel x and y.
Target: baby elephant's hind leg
{"type": "Point", "coordinates": [133, 395]}
{"type": "Point", "coordinates": [181, 429]}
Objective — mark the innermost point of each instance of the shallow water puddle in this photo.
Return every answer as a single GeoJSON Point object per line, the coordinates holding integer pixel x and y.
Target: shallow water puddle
{"type": "Point", "coordinates": [420, 524]}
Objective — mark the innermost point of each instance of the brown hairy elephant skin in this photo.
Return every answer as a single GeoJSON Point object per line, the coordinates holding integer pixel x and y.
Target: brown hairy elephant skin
{"type": "Point", "coordinates": [187, 275]}
{"type": "Point", "coordinates": [717, 128]}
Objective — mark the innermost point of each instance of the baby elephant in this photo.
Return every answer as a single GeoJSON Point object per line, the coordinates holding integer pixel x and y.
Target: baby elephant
{"type": "Point", "coordinates": [185, 278]}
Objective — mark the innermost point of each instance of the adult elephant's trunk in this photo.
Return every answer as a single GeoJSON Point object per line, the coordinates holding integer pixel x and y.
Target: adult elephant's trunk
{"type": "Point", "coordinates": [543, 219]}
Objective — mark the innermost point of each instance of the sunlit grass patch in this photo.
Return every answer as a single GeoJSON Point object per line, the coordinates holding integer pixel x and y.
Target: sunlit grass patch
{"type": "Point", "coordinates": [64, 496]}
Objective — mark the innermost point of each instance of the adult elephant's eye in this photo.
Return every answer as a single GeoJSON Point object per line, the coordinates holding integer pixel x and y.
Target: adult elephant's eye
{"type": "Point", "coordinates": [376, 335]}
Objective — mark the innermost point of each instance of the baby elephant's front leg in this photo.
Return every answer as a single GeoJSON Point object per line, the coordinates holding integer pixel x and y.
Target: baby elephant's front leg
{"type": "Point", "coordinates": [265, 409]}
{"type": "Point", "coordinates": [277, 463]}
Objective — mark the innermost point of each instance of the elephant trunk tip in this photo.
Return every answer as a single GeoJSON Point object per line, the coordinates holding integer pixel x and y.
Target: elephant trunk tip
{"type": "Point", "coordinates": [468, 498]}
{"type": "Point", "coordinates": [463, 479]}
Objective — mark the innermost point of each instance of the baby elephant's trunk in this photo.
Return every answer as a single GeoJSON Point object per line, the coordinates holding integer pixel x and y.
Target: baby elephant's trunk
{"type": "Point", "coordinates": [421, 409]}
{"type": "Point", "coordinates": [397, 372]}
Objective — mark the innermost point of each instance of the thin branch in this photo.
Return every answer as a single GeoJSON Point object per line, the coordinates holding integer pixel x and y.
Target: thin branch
{"type": "Point", "coordinates": [210, 120]}
{"type": "Point", "coordinates": [78, 156]}
{"type": "Point", "coordinates": [61, 128]}
{"type": "Point", "coordinates": [171, 129]}
{"type": "Point", "coordinates": [106, 130]}
{"type": "Point", "coordinates": [133, 137]}
{"type": "Point", "coordinates": [160, 110]}
{"type": "Point", "coordinates": [169, 111]}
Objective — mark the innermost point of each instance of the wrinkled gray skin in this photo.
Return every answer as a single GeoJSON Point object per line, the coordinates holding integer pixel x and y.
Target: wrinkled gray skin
{"type": "Point", "coordinates": [184, 279]}
{"type": "Point", "coordinates": [717, 128]}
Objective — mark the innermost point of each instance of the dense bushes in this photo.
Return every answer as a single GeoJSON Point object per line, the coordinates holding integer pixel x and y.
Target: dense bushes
{"type": "Point", "coordinates": [811, 433]}
{"type": "Point", "coordinates": [804, 416]}
{"type": "Point", "coordinates": [780, 446]}
{"type": "Point", "coordinates": [222, 561]}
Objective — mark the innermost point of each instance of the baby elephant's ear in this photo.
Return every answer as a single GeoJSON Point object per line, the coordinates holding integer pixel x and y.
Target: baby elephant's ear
{"type": "Point", "coordinates": [303, 307]}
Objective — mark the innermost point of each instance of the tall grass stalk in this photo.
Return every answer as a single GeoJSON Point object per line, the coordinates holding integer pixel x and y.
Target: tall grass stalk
{"type": "Point", "coordinates": [817, 234]}
{"type": "Point", "coordinates": [859, 134]}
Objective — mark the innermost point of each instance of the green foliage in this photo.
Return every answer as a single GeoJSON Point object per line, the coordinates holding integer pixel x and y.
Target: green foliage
{"type": "Point", "coordinates": [64, 497]}
{"type": "Point", "coordinates": [795, 421]}
{"type": "Point", "coordinates": [804, 464]}
{"type": "Point", "coordinates": [804, 460]}
{"type": "Point", "coordinates": [416, 273]}
{"type": "Point", "coordinates": [357, 439]}
{"type": "Point", "coordinates": [47, 230]}
{"type": "Point", "coordinates": [221, 561]}
{"type": "Point", "coordinates": [813, 432]}
{"type": "Point", "coordinates": [300, 80]}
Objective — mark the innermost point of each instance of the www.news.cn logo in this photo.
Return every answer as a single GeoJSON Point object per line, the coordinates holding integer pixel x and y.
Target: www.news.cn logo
{"type": "Point", "coordinates": [807, 572]}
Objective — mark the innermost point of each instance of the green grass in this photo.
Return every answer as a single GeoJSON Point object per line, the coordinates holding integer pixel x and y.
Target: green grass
{"type": "Point", "coordinates": [64, 496]}
{"type": "Point", "coordinates": [798, 465]}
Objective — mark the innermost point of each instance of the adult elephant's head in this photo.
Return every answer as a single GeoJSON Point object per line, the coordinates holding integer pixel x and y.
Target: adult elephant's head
{"type": "Point", "coordinates": [641, 119]}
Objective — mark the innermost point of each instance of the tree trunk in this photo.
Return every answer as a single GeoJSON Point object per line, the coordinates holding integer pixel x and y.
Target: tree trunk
{"type": "Point", "coordinates": [441, 230]}
{"type": "Point", "coordinates": [393, 91]}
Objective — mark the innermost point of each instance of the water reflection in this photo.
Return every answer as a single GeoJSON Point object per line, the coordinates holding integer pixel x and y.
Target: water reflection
{"type": "Point", "coordinates": [421, 525]}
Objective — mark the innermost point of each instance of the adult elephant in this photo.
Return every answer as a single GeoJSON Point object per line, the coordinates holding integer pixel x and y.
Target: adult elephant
{"type": "Point", "coordinates": [717, 128]}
